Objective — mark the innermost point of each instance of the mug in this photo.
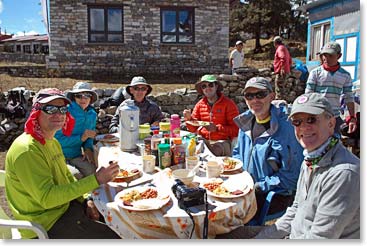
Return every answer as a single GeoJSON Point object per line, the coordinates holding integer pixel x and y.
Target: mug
{"type": "Point", "coordinates": [148, 163]}
{"type": "Point", "coordinates": [213, 169]}
{"type": "Point", "coordinates": [191, 161]}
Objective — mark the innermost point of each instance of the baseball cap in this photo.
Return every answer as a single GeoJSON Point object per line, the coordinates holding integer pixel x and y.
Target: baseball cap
{"type": "Point", "coordinates": [331, 48]}
{"type": "Point", "coordinates": [259, 83]}
{"type": "Point", "coordinates": [311, 103]}
{"type": "Point", "coordinates": [210, 78]}
{"type": "Point", "coordinates": [239, 42]}
{"type": "Point", "coordinates": [49, 94]}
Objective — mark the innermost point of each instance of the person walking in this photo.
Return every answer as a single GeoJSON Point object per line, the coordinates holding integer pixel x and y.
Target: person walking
{"type": "Point", "coordinates": [78, 147]}
{"type": "Point", "coordinates": [282, 68]}
{"type": "Point", "coordinates": [236, 57]}
{"type": "Point", "coordinates": [40, 188]}
{"type": "Point", "coordinates": [331, 80]}
{"type": "Point", "coordinates": [216, 109]}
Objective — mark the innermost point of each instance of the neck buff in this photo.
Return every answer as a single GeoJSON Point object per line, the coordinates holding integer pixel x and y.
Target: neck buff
{"type": "Point", "coordinates": [33, 127]}
{"type": "Point", "coordinates": [331, 68]}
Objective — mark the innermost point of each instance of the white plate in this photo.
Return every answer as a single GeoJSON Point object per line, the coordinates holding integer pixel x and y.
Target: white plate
{"type": "Point", "coordinates": [143, 204]}
{"type": "Point", "coordinates": [198, 123]}
{"type": "Point", "coordinates": [231, 185]}
{"type": "Point", "coordinates": [238, 166]}
{"type": "Point", "coordinates": [112, 138]}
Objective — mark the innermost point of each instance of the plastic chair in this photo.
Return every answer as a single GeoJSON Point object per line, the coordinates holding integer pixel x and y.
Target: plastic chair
{"type": "Point", "coordinates": [264, 216]}
{"type": "Point", "coordinates": [9, 227]}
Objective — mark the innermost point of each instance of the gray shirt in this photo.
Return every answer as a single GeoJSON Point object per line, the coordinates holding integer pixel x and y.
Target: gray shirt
{"type": "Point", "coordinates": [327, 201]}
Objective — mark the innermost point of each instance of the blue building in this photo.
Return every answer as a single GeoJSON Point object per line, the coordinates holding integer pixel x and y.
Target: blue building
{"type": "Point", "coordinates": [334, 20]}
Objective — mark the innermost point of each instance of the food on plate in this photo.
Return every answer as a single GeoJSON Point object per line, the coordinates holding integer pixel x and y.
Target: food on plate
{"type": "Point", "coordinates": [135, 195]}
{"type": "Point", "coordinates": [229, 163]}
{"type": "Point", "coordinates": [198, 123]}
{"type": "Point", "coordinates": [126, 175]}
{"type": "Point", "coordinates": [108, 136]}
{"type": "Point", "coordinates": [216, 187]}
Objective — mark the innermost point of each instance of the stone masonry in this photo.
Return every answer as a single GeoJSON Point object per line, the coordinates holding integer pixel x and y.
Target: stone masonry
{"type": "Point", "coordinates": [141, 51]}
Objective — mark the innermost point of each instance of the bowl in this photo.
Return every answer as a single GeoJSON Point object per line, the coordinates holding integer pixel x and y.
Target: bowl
{"type": "Point", "coordinates": [183, 175]}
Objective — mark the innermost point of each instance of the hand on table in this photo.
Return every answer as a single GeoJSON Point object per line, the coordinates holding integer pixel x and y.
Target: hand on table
{"type": "Point", "coordinates": [92, 211]}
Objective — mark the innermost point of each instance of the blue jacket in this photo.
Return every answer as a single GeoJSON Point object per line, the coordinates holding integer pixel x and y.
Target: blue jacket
{"type": "Point", "coordinates": [274, 158]}
{"type": "Point", "coordinates": [71, 146]}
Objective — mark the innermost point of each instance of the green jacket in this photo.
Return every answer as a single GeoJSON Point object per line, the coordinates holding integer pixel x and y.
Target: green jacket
{"type": "Point", "coordinates": [38, 184]}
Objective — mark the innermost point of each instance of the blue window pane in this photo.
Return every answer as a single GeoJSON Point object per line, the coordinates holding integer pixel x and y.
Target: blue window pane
{"type": "Point", "coordinates": [185, 19]}
{"type": "Point", "coordinates": [114, 38]}
{"type": "Point", "coordinates": [97, 19]}
{"type": "Point", "coordinates": [97, 38]}
{"type": "Point", "coordinates": [168, 21]}
{"type": "Point", "coordinates": [115, 20]}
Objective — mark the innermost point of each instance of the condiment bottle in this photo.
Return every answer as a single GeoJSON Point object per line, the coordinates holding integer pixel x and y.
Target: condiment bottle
{"type": "Point", "coordinates": [164, 153]}
{"type": "Point", "coordinates": [178, 152]}
{"type": "Point", "coordinates": [175, 126]}
{"type": "Point", "coordinates": [144, 131]}
{"type": "Point", "coordinates": [155, 140]}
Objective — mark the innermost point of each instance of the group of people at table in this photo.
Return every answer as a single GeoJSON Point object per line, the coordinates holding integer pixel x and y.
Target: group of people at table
{"type": "Point", "coordinates": [50, 169]}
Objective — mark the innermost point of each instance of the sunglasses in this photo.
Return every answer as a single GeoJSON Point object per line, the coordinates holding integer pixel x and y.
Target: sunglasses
{"type": "Point", "coordinates": [51, 109]}
{"type": "Point", "coordinates": [204, 86]}
{"type": "Point", "coordinates": [137, 88]}
{"type": "Point", "coordinates": [258, 95]}
{"type": "Point", "coordinates": [83, 95]}
{"type": "Point", "coordinates": [310, 120]}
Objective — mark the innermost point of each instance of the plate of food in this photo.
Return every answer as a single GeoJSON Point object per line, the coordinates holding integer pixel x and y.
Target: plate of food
{"type": "Point", "coordinates": [141, 198]}
{"type": "Point", "coordinates": [231, 164]}
{"type": "Point", "coordinates": [198, 123]}
{"type": "Point", "coordinates": [107, 138]}
{"type": "Point", "coordinates": [230, 188]}
{"type": "Point", "coordinates": [127, 175]}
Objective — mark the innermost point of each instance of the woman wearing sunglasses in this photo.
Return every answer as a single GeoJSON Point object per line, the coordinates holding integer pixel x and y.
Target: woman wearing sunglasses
{"type": "Point", "coordinates": [219, 111]}
{"type": "Point", "coordinates": [78, 148]}
{"type": "Point", "coordinates": [150, 112]}
{"type": "Point", "coordinates": [267, 146]}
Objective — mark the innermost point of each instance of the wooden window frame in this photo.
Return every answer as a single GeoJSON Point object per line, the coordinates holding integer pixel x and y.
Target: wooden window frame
{"type": "Point", "coordinates": [177, 33]}
{"type": "Point", "coordinates": [105, 32]}
{"type": "Point", "coordinates": [322, 40]}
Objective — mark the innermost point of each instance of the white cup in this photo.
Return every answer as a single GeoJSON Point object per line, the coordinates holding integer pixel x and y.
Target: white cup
{"type": "Point", "coordinates": [148, 163]}
{"type": "Point", "coordinates": [213, 169]}
{"type": "Point", "coordinates": [191, 161]}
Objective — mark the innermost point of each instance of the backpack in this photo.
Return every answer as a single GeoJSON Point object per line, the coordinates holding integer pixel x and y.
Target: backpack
{"type": "Point", "coordinates": [16, 104]}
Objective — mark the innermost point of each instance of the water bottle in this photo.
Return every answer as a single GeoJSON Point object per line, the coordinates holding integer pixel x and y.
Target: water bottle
{"type": "Point", "coordinates": [175, 126]}
{"type": "Point", "coordinates": [129, 126]}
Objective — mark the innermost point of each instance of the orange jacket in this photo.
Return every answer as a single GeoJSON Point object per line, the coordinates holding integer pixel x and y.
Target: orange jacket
{"type": "Point", "coordinates": [221, 114]}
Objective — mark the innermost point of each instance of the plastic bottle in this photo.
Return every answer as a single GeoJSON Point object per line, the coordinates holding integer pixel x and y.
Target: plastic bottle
{"type": "Point", "coordinates": [178, 152]}
{"type": "Point", "coordinates": [155, 140]}
{"type": "Point", "coordinates": [144, 131]}
{"type": "Point", "coordinates": [175, 126]}
{"type": "Point", "coordinates": [164, 127]}
{"type": "Point", "coordinates": [164, 153]}
{"type": "Point", "coordinates": [191, 147]}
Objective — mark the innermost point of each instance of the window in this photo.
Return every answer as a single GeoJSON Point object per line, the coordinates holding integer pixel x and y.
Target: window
{"type": "Point", "coordinates": [105, 24]}
{"type": "Point", "coordinates": [177, 25]}
{"type": "Point", "coordinates": [19, 48]}
{"type": "Point", "coordinates": [26, 49]}
{"type": "Point", "coordinates": [320, 35]}
{"type": "Point", "coordinates": [36, 48]}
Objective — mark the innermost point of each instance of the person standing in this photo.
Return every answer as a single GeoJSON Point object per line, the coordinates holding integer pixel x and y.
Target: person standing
{"type": "Point", "coordinates": [236, 57]}
{"type": "Point", "coordinates": [78, 147]}
{"type": "Point", "coordinates": [331, 80]}
{"type": "Point", "coordinates": [150, 112]}
{"type": "Point", "coordinates": [40, 188]}
{"type": "Point", "coordinates": [216, 109]}
{"type": "Point", "coordinates": [282, 68]}
{"type": "Point", "coordinates": [267, 146]}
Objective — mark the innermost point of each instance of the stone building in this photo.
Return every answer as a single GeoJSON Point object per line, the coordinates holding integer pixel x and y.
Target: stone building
{"type": "Point", "coordinates": [120, 39]}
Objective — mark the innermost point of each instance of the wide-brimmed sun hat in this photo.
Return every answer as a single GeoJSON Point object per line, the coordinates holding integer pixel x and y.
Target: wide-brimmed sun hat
{"type": "Point", "coordinates": [47, 95]}
{"type": "Point", "coordinates": [138, 80]}
{"type": "Point", "coordinates": [210, 79]}
{"type": "Point", "coordinates": [80, 87]}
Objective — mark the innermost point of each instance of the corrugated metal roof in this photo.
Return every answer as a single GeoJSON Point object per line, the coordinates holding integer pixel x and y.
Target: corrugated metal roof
{"type": "Point", "coordinates": [41, 37]}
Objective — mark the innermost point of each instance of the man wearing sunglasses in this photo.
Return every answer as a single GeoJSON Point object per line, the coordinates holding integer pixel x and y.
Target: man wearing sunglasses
{"type": "Point", "coordinates": [39, 186]}
{"type": "Point", "coordinates": [327, 202]}
{"type": "Point", "coordinates": [267, 146]}
{"type": "Point", "coordinates": [218, 111]}
{"type": "Point", "coordinates": [78, 147]}
{"type": "Point", "coordinates": [150, 112]}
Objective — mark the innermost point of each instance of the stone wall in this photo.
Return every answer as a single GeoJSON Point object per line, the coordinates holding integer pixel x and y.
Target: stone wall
{"type": "Point", "coordinates": [22, 57]}
{"type": "Point", "coordinates": [172, 102]}
{"type": "Point", "coordinates": [142, 51]}
{"type": "Point", "coordinates": [25, 71]}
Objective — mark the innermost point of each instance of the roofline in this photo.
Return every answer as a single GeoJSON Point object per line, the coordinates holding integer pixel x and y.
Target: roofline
{"type": "Point", "coordinates": [313, 4]}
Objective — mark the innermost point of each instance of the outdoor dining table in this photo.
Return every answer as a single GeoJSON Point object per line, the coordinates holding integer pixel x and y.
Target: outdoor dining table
{"type": "Point", "coordinates": [168, 221]}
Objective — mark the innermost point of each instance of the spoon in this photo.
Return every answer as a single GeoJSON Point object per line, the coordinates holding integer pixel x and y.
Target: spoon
{"type": "Point", "coordinates": [193, 171]}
